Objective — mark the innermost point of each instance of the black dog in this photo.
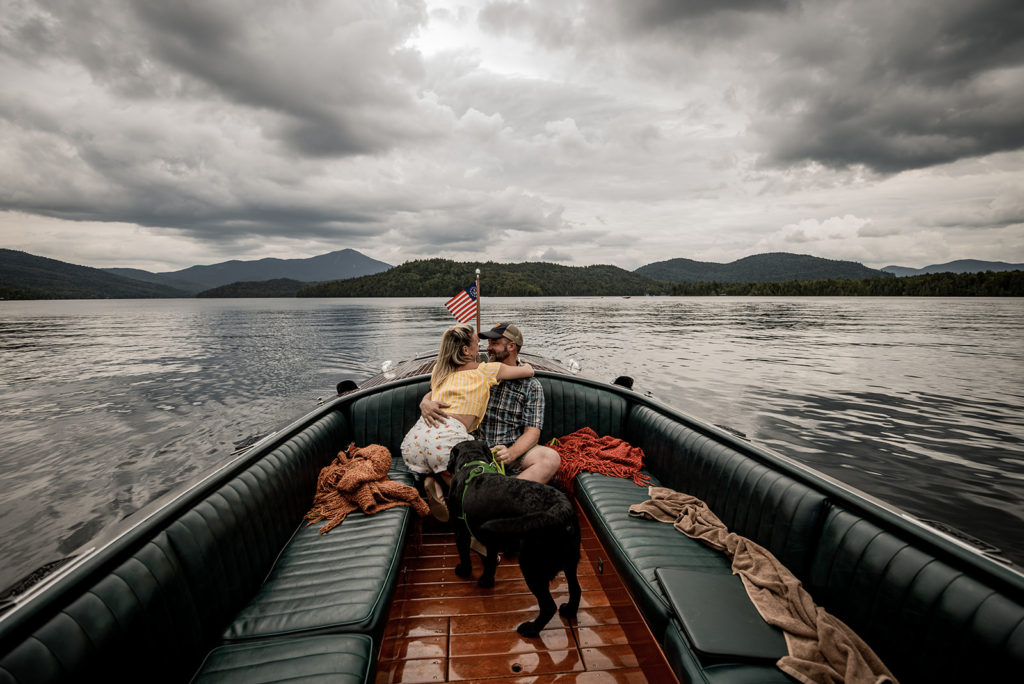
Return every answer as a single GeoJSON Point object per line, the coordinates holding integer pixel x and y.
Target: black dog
{"type": "Point", "coordinates": [515, 516]}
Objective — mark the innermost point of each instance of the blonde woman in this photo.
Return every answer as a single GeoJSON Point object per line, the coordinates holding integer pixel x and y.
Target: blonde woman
{"type": "Point", "coordinates": [465, 384]}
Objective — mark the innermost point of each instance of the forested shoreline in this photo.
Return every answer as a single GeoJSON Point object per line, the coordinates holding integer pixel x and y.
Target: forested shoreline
{"type": "Point", "coordinates": [27, 277]}
{"type": "Point", "coordinates": [442, 278]}
{"type": "Point", "coordinates": [988, 284]}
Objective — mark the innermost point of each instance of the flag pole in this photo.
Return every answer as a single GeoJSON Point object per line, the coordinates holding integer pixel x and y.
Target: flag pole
{"type": "Point", "coordinates": [478, 302]}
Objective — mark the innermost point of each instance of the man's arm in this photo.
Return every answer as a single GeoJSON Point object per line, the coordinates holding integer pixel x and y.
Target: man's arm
{"type": "Point", "coordinates": [432, 411]}
{"type": "Point", "coordinates": [526, 441]}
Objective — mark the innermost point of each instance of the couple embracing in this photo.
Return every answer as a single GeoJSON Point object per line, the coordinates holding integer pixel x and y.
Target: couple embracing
{"type": "Point", "coordinates": [498, 402]}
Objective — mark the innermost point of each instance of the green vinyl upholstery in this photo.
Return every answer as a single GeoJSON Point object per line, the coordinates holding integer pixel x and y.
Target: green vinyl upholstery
{"type": "Point", "coordinates": [569, 406]}
{"type": "Point", "coordinates": [638, 547]}
{"type": "Point", "coordinates": [330, 659]}
{"type": "Point", "coordinates": [385, 417]}
{"type": "Point", "coordinates": [927, 620]}
{"type": "Point", "coordinates": [918, 607]}
{"type": "Point", "coordinates": [239, 572]}
{"type": "Point", "coordinates": [330, 582]}
{"type": "Point", "coordinates": [753, 500]}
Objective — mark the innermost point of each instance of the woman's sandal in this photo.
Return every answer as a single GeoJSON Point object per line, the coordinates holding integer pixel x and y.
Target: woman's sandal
{"type": "Point", "coordinates": [435, 499]}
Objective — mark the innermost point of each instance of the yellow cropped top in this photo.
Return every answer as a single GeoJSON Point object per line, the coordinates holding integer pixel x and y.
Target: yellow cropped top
{"type": "Point", "coordinates": [468, 391]}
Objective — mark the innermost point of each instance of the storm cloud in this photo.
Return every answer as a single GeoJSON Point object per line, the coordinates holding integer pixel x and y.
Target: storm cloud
{"type": "Point", "coordinates": [605, 131]}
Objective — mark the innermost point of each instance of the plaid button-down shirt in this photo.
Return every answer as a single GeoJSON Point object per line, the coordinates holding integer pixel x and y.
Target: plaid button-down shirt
{"type": "Point", "coordinates": [514, 406]}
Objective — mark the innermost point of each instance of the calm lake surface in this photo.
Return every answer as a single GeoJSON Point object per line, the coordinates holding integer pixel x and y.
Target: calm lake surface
{"type": "Point", "coordinates": [106, 405]}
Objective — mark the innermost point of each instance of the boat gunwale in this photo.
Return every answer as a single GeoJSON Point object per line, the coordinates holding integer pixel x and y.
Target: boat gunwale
{"type": "Point", "coordinates": [102, 555]}
{"type": "Point", "coordinates": [1006, 577]}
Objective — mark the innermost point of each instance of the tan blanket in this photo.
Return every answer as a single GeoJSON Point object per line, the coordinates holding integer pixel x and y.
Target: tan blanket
{"type": "Point", "coordinates": [358, 479]}
{"type": "Point", "coordinates": [821, 647]}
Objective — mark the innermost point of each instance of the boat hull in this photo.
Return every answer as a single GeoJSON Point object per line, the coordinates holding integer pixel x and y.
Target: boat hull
{"type": "Point", "coordinates": [223, 581]}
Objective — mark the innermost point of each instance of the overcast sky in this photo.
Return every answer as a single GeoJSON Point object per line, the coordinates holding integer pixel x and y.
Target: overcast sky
{"type": "Point", "coordinates": [158, 134]}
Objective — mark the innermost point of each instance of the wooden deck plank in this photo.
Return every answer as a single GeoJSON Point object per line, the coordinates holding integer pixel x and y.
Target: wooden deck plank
{"type": "Point", "coordinates": [445, 628]}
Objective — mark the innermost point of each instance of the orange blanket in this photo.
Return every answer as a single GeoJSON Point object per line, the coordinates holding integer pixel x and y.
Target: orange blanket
{"type": "Point", "coordinates": [358, 478]}
{"type": "Point", "coordinates": [821, 647]}
{"type": "Point", "coordinates": [584, 450]}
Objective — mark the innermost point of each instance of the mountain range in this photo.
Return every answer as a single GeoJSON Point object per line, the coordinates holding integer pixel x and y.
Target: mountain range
{"type": "Point", "coordinates": [958, 266]}
{"type": "Point", "coordinates": [345, 263]}
{"type": "Point", "coordinates": [26, 276]}
{"type": "Point", "coordinates": [760, 268]}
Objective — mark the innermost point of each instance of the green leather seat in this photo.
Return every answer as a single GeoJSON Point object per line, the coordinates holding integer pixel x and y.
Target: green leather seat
{"type": "Point", "coordinates": [214, 570]}
{"type": "Point", "coordinates": [341, 581]}
{"type": "Point", "coordinates": [638, 547]}
{"type": "Point", "coordinates": [385, 417]}
{"type": "Point", "coordinates": [331, 659]}
{"type": "Point", "coordinates": [924, 617]}
{"type": "Point", "coordinates": [752, 499]}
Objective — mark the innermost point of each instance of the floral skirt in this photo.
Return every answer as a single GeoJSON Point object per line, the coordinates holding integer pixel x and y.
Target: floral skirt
{"type": "Point", "coordinates": [427, 449]}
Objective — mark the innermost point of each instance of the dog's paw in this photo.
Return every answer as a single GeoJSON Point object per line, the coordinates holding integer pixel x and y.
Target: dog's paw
{"type": "Point", "coordinates": [566, 611]}
{"type": "Point", "coordinates": [486, 582]}
{"type": "Point", "coordinates": [464, 570]}
{"type": "Point", "coordinates": [528, 630]}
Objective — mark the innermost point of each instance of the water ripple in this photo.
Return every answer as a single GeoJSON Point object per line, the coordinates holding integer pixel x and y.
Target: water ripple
{"type": "Point", "coordinates": [108, 404]}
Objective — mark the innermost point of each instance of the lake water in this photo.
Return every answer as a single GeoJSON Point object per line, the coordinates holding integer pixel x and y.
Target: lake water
{"type": "Point", "coordinates": [106, 405]}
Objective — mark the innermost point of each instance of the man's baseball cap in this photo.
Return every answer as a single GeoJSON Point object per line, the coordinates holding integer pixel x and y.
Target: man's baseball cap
{"type": "Point", "coordinates": [506, 330]}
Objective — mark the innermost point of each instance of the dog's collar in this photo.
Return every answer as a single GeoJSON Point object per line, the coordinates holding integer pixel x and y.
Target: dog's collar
{"type": "Point", "coordinates": [478, 468]}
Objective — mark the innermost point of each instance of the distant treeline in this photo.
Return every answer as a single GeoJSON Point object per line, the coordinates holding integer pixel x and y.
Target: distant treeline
{"type": "Point", "coordinates": [445, 278]}
{"type": "Point", "coordinates": [25, 276]}
{"type": "Point", "coordinates": [988, 284]}
{"type": "Point", "coordinates": [279, 287]}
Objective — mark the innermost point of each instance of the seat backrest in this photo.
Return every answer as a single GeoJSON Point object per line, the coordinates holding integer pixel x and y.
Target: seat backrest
{"type": "Point", "coordinates": [753, 500]}
{"type": "Point", "coordinates": [156, 613]}
{"type": "Point", "coordinates": [139, 618]}
{"type": "Point", "coordinates": [927, 621]}
{"type": "Point", "coordinates": [569, 406]}
{"type": "Point", "coordinates": [237, 532]}
{"type": "Point", "coordinates": [384, 417]}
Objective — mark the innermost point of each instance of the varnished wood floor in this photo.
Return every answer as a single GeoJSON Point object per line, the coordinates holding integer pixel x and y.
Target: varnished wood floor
{"type": "Point", "coordinates": [444, 628]}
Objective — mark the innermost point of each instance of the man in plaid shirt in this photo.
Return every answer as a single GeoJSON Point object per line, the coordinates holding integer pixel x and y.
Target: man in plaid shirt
{"type": "Point", "coordinates": [515, 413]}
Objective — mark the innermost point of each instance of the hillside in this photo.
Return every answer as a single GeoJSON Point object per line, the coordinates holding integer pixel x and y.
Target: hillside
{"type": "Point", "coordinates": [165, 279]}
{"type": "Point", "coordinates": [26, 276]}
{"type": "Point", "coordinates": [989, 284]}
{"type": "Point", "coordinates": [279, 287]}
{"type": "Point", "coordinates": [958, 266]}
{"type": "Point", "coordinates": [760, 268]}
{"type": "Point", "coordinates": [444, 278]}
{"type": "Point", "coordinates": [345, 263]}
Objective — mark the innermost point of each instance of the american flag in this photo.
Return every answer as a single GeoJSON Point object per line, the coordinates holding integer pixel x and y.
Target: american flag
{"type": "Point", "coordinates": [463, 305]}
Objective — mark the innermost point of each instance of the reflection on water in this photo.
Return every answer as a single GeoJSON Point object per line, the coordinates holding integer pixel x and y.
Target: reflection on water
{"type": "Point", "coordinates": [108, 404]}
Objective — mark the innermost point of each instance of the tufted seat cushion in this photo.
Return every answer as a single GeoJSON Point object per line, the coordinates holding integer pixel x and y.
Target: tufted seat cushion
{"type": "Point", "coordinates": [341, 581]}
{"type": "Point", "coordinates": [140, 617]}
{"type": "Point", "coordinates": [570, 405]}
{"type": "Point", "coordinates": [638, 547]}
{"type": "Point", "coordinates": [753, 500]}
{"type": "Point", "coordinates": [385, 417]}
{"type": "Point", "coordinates": [925, 619]}
{"type": "Point", "coordinates": [216, 571]}
{"type": "Point", "coordinates": [338, 659]}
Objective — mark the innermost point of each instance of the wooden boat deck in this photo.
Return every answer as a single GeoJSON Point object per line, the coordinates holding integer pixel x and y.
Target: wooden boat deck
{"type": "Point", "coordinates": [444, 628]}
